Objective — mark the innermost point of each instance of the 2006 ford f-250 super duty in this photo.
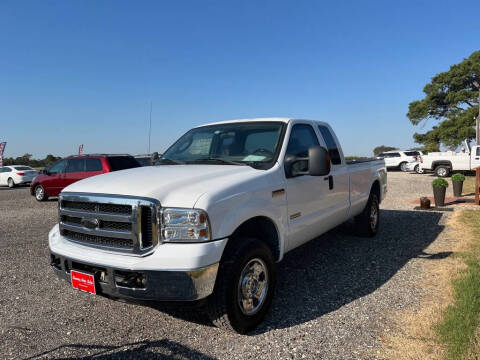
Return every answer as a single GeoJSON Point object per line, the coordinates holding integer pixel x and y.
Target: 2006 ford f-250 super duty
{"type": "Point", "coordinates": [223, 205]}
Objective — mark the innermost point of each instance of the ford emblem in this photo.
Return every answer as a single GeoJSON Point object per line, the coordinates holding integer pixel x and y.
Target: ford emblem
{"type": "Point", "coordinates": [90, 223]}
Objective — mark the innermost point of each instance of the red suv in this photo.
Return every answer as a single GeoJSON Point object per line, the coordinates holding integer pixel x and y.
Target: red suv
{"type": "Point", "coordinates": [64, 172]}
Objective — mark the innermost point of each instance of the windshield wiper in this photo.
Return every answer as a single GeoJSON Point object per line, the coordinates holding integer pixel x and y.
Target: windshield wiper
{"type": "Point", "coordinates": [171, 161]}
{"type": "Point", "coordinates": [219, 161]}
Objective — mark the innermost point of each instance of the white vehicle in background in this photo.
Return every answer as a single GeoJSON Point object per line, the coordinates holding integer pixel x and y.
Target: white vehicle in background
{"type": "Point", "coordinates": [17, 175]}
{"type": "Point", "coordinates": [415, 164]}
{"type": "Point", "coordinates": [399, 159]}
{"type": "Point", "coordinates": [443, 163]}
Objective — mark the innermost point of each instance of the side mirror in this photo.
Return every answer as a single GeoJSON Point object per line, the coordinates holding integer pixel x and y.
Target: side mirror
{"type": "Point", "coordinates": [154, 157]}
{"type": "Point", "coordinates": [318, 161]}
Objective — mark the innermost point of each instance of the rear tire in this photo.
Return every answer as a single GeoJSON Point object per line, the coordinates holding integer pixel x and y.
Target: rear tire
{"type": "Point", "coordinates": [442, 171]}
{"type": "Point", "coordinates": [39, 193]}
{"type": "Point", "coordinates": [244, 287]}
{"type": "Point", "coordinates": [11, 183]}
{"type": "Point", "coordinates": [368, 222]}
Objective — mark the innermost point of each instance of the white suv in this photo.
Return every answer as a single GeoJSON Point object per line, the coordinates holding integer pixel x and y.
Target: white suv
{"type": "Point", "coordinates": [399, 159]}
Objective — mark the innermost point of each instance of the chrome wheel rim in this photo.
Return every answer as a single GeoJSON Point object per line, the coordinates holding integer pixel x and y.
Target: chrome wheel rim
{"type": "Point", "coordinates": [373, 217]}
{"type": "Point", "coordinates": [10, 183]}
{"type": "Point", "coordinates": [442, 172]}
{"type": "Point", "coordinates": [403, 167]}
{"type": "Point", "coordinates": [39, 193]}
{"type": "Point", "coordinates": [253, 286]}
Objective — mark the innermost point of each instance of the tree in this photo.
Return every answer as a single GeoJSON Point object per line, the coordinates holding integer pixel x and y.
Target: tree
{"type": "Point", "coordinates": [451, 99]}
{"type": "Point", "coordinates": [383, 148]}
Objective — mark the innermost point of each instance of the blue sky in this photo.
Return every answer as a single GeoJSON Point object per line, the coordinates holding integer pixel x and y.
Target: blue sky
{"type": "Point", "coordinates": [75, 72]}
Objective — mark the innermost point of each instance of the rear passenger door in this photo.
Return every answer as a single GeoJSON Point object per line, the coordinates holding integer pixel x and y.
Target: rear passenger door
{"type": "Point", "coordinates": [93, 166]}
{"type": "Point", "coordinates": [75, 171]}
{"type": "Point", "coordinates": [338, 197]}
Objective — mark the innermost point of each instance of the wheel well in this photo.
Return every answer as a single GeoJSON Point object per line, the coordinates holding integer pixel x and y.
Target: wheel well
{"type": "Point", "coordinates": [435, 164]}
{"type": "Point", "coordinates": [376, 190]}
{"type": "Point", "coordinates": [262, 228]}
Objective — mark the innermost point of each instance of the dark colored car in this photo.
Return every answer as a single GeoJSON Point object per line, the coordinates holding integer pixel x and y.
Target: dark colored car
{"type": "Point", "coordinates": [64, 172]}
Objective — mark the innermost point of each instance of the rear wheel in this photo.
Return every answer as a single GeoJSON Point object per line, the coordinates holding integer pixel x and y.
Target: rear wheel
{"type": "Point", "coordinates": [244, 287]}
{"type": "Point", "coordinates": [442, 171]}
{"type": "Point", "coordinates": [403, 166]}
{"type": "Point", "coordinates": [40, 193]}
{"type": "Point", "coordinates": [368, 222]}
{"type": "Point", "coordinates": [417, 169]}
{"type": "Point", "coordinates": [10, 183]}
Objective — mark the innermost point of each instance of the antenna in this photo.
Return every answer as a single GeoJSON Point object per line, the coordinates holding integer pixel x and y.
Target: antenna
{"type": "Point", "coordinates": [150, 128]}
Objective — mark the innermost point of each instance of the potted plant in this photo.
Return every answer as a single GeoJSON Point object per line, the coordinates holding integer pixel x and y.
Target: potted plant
{"type": "Point", "coordinates": [457, 181]}
{"type": "Point", "coordinates": [439, 188]}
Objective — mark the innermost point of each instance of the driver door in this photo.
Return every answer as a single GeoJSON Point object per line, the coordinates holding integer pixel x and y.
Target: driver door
{"type": "Point", "coordinates": [305, 193]}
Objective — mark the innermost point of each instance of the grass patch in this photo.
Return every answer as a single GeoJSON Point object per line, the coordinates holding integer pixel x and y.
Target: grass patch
{"type": "Point", "coordinates": [461, 320]}
{"type": "Point", "coordinates": [469, 185]}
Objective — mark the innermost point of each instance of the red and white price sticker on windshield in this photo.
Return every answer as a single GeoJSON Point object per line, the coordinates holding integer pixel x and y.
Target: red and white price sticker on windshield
{"type": "Point", "coordinates": [82, 281]}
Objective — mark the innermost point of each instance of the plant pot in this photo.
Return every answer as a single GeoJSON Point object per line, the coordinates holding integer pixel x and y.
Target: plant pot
{"type": "Point", "coordinates": [457, 188]}
{"type": "Point", "coordinates": [439, 195]}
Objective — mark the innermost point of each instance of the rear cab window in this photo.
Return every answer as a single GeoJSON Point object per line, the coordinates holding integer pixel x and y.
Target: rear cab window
{"type": "Point", "coordinates": [92, 164]}
{"type": "Point", "coordinates": [122, 162]}
{"type": "Point", "coordinates": [332, 146]}
{"type": "Point", "coordinates": [75, 165]}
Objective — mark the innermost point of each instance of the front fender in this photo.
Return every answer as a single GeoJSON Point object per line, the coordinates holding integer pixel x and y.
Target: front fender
{"type": "Point", "coordinates": [228, 213]}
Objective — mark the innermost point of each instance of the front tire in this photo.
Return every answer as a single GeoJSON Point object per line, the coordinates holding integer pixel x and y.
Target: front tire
{"type": "Point", "coordinates": [10, 183]}
{"type": "Point", "coordinates": [368, 222]}
{"type": "Point", "coordinates": [39, 193]}
{"type": "Point", "coordinates": [245, 286]}
{"type": "Point", "coordinates": [442, 171]}
{"type": "Point", "coordinates": [403, 167]}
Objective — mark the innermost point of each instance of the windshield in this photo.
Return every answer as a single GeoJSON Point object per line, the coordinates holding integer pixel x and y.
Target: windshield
{"type": "Point", "coordinates": [250, 143]}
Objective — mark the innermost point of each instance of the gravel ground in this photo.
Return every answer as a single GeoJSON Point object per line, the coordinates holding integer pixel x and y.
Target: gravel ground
{"type": "Point", "coordinates": [335, 295]}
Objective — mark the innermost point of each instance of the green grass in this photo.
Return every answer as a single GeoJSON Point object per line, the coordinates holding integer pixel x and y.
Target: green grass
{"type": "Point", "coordinates": [462, 318]}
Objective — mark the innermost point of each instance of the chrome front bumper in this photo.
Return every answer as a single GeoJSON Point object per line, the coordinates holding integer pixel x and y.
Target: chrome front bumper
{"type": "Point", "coordinates": [146, 285]}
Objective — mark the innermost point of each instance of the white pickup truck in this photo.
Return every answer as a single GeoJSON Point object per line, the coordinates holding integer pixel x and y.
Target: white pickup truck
{"type": "Point", "coordinates": [443, 163]}
{"type": "Point", "coordinates": [210, 221]}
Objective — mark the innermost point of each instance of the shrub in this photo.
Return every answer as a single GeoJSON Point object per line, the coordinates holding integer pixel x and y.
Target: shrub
{"type": "Point", "coordinates": [458, 177]}
{"type": "Point", "coordinates": [440, 183]}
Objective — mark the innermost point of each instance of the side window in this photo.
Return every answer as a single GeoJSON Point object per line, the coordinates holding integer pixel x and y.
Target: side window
{"type": "Point", "coordinates": [58, 168]}
{"type": "Point", "coordinates": [301, 138]}
{"type": "Point", "coordinates": [331, 145]}
{"type": "Point", "coordinates": [478, 150]}
{"type": "Point", "coordinates": [75, 165]}
{"type": "Point", "coordinates": [393, 155]}
{"type": "Point", "coordinates": [93, 165]}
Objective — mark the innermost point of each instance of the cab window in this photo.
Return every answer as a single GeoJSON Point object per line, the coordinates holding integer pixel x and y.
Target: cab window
{"type": "Point", "coordinates": [302, 137]}
{"type": "Point", "coordinates": [75, 165]}
{"type": "Point", "coordinates": [58, 168]}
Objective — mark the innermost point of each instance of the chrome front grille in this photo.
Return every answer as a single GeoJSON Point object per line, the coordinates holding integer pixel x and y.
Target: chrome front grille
{"type": "Point", "coordinates": [118, 223]}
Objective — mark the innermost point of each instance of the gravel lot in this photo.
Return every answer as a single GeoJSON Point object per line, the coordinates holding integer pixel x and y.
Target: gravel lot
{"type": "Point", "coordinates": [334, 297]}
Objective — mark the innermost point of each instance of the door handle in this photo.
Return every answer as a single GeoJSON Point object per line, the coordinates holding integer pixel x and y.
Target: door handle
{"type": "Point", "coordinates": [330, 181]}
{"type": "Point", "coordinates": [477, 158]}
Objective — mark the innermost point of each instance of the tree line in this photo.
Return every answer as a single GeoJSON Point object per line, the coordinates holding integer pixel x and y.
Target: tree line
{"type": "Point", "coordinates": [26, 159]}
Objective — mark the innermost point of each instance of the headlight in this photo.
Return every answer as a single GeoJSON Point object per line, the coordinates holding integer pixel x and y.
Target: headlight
{"type": "Point", "coordinates": [184, 225]}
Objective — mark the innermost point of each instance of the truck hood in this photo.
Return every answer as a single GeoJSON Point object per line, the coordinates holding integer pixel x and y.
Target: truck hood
{"type": "Point", "coordinates": [172, 185]}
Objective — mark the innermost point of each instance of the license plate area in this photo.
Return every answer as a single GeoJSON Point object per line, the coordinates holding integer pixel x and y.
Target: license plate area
{"type": "Point", "coordinates": [83, 281]}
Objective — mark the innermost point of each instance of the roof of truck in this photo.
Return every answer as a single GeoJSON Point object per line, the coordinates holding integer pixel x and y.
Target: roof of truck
{"type": "Point", "coordinates": [276, 119]}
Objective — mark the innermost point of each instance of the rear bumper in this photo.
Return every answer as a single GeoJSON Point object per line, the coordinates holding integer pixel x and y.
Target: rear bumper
{"type": "Point", "coordinates": [141, 284]}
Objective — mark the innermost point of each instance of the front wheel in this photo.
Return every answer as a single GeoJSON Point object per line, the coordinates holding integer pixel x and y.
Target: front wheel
{"type": "Point", "coordinates": [40, 193]}
{"type": "Point", "coordinates": [403, 167]}
{"type": "Point", "coordinates": [368, 222]}
{"type": "Point", "coordinates": [11, 183]}
{"type": "Point", "coordinates": [245, 286]}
